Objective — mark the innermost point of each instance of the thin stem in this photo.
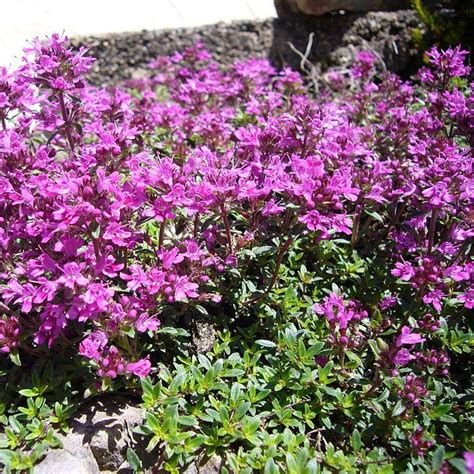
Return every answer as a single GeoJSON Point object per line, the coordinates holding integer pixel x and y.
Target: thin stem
{"type": "Point", "coordinates": [431, 233]}
{"type": "Point", "coordinates": [66, 121]}
{"type": "Point", "coordinates": [376, 383]}
{"type": "Point", "coordinates": [355, 230]}
{"type": "Point", "coordinates": [161, 236]}
{"type": "Point", "coordinates": [278, 261]}
{"type": "Point", "coordinates": [94, 243]}
{"type": "Point", "coordinates": [196, 226]}
{"type": "Point", "coordinates": [225, 218]}
{"type": "Point", "coordinates": [4, 123]}
{"type": "Point", "coordinates": [395, 219]}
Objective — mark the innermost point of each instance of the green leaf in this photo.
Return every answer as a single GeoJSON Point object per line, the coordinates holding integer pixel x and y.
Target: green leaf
{"type": "Point", "coordinates": [438, 458]}
{"type": "Point", "coordinates": [271, 467]}
{"type": "Point", "coordinates": [262, 394]}
{"type": "Point", "coordinates": [314, 349]}
{"type": "Point", "coordinates": [251, 425]}
{"type": "Point", "coordinates": [204, 361]}
{"type": "Point", "coordinates": [242, 410]}
{"type": "Point", "coordinates": [27, 392]}
{"type": "Point", "coordinates": [196, 441]}
{"type": "Point", "coordinates": [398, 409]}
{"type": "Point", "coordinates": [356, 440]}
{"type": "Point", "coordinates": [153, 422]}
{"type": "Point", "coordinates": [187, 420]}
{"type": "Point", "coordinates": [178, 332]}
{"type": "Point", "coordinates": [448, 419]}
{"type": "Point", "coordinates": [134, 460]}
{"type": "Point", "coordinates": [459, 464]}
{"type": "Point", "coordinates": [152, 444]}
{"type": "Point", "coordinates": [291, 463]}
{"type": "Point", "coordinates": [312, 467]}
{"type": "Point", "coordinates": [440, 410]}
{"type": "Point", "coordinates": [146, 384]}
{"type": "Point", "coordinates": [265, 343]}
{"type": "Point", "coordinates": [375, 215]}
{"type": "Point", "coordinates": [233, 373]}
{"type": "Point", "coordinates": [235, 392]}
{"type": "Point", "coordinates": [177, 382]}
{"type": "Point", "coordinates": [302, 458]}
{"type": "Point", "coordinates": [15, 357]}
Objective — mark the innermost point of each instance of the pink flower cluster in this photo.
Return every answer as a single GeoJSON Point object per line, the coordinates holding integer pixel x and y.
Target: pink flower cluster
{"type": "Point", "coordinates": [414, 390]}
{"type": "Point", "coordinates": [117, 203]}
{"type": "Point", "coordinates": [419, 443]}
{"type": "Point", "coordinates": [343, 318]}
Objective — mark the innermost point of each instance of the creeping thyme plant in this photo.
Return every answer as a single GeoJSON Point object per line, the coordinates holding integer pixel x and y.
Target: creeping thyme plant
{"type": "Point", "coordinates": [328, 240]}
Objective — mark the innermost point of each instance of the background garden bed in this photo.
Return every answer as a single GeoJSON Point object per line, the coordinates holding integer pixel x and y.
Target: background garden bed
{"type": "Point", "coordinates": [337, 39]}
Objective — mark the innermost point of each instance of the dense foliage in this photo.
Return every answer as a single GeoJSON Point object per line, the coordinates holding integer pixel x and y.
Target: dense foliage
{"type": "Point", "coordinates": [327, 238]}
{"type": "Point", "coordinates": [447, 22]}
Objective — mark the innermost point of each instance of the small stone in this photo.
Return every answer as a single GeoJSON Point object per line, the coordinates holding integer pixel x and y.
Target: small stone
{"type": "Point", "coordinates": [204, 335]}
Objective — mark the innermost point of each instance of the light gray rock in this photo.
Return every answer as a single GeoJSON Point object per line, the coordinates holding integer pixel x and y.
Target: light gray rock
{"type": "Point", "coordinates": [204, 335]}
{"type": "Point", "coordinates": [205, 466]}
{"type": "Point", "coordinates": [100, 434]}
{"type": "Point", "coordinates": [106, 427]}
{"type": "Point", "coordinates": [61, 461]}
{"type": "Point", "coordinates": [212, 466]}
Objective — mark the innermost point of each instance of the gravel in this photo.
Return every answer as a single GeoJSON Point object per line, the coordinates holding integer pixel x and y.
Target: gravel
{"type": "Point", "coordinates": [337, 37]}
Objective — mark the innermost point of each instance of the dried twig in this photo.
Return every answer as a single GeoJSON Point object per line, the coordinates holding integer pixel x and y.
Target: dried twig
{"type": "Point", "coordinates": [305, 64]}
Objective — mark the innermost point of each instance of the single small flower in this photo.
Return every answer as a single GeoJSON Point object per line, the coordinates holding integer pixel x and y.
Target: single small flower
{"type": "Point", "coordinates": [404, 271]}
{"type": "Point", "coordinates": [141, 368]}
{"type": "Point", "coordinates": [402, 357]}
{"type": "Point", "coordinates": [72, 276]}
{"type": "Point", "coordinates": [408, 338]}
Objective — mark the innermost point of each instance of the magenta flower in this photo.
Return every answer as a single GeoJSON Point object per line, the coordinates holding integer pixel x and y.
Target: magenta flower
{"type": "Point", "coordinates": [111, 363]}
{"type": "Point", "coordinates": [449, 62]}
{"type": "Point", "coordinates": [388, 302]}
{"type": "Point", "coordinates": [170, 257]}
{"type": "Point", "coordinates": [413, 391]}
{"type": "Point", "coordinates": [457, 273]}
{"type": "Point", "coordinates": [9, 334]}
{"type": "Point", "coordinates": [117, 233]}
{"type": "Point", "coordinates": [338, 312]}
{"type": "Point", "coordinates": [141, 368]}
{"type": "Point", "coordinates": [363, 65]}
{"type": "Point", "coordinates": [184, 289]}
{"type": "Point", "coordinates": [434, 298]}
{"type": "Point", "coordinates": [418, 442]}
{"type": "Point", "coordinates": [99, 295]}
{"type": "Point", "coordinates": [115, 203]}
{"type": "Point", "coordinates": [72, 276]}
{"type": "Point", "coordinates": [407, 338]}
{"type": "Point", "coordinates": [137, 277]}
{"type": "Point", "coordinates": [467, 298]}
{"type": "Point", "coordinates": [146, 323]}
{"type": "Point", "coordinates": [23, 294]}
{"type": "Point", "coordinates": [404, 271]}
{"type": "Point", "coordinates": [402, 357]}
{"type": "Point", "coordinates": [93, 345]}
{"type": "Point", "coordinates": [469, 462]}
